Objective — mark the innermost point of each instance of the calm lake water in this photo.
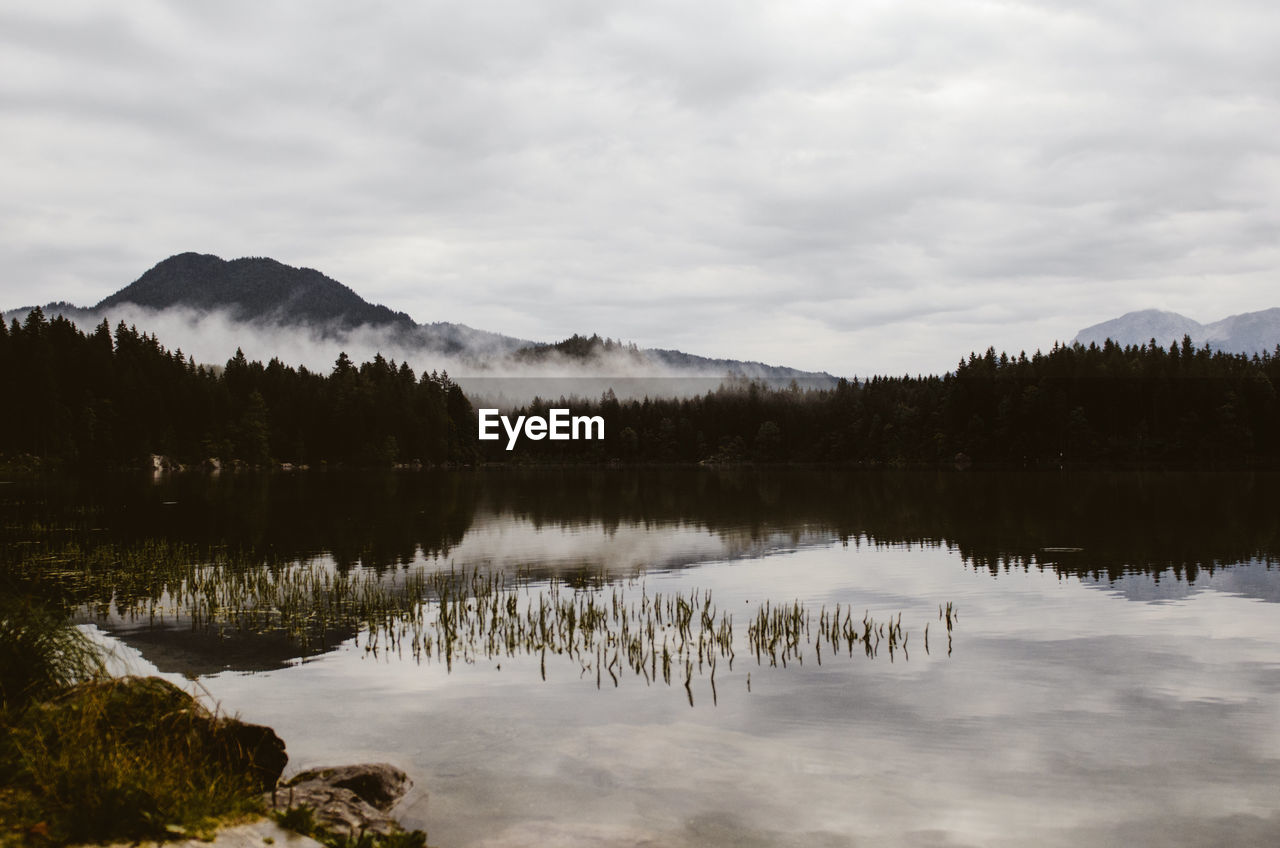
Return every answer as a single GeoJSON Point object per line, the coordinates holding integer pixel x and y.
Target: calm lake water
{"type": "Point", "coordinates": [1113, 676]}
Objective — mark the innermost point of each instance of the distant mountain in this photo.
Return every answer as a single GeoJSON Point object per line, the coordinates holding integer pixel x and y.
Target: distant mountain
{"type": "Point", "coordinates": [268, 295]}
{"type": "Point", "coordinates": [1138, 328]}
{"type": "Point", "coordinates": [252, 289]}
{"type": "Point", "coordinates": [1249, 332]}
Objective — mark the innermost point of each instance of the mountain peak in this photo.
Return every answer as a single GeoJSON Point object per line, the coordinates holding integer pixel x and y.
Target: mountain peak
{"type": "Point", "coordinates": [1138, 328]}
{"type": "Point", "coordinates": [1248, 332]}
{"type": "Point", "coordinates": [252, 288]}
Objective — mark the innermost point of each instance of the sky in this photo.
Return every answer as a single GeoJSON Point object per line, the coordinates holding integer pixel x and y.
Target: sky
{"type": "Point", "coordinates": [854, 187]}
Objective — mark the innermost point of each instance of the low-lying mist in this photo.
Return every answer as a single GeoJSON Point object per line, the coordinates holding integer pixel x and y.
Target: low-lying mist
{"type": "Point", "coordinates": [485, 365]}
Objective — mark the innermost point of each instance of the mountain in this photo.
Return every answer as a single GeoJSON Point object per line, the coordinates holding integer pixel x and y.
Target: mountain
{"type": "Point", "coordinates": [1249, 332]}
{"type": "Point", "coordinates": [203, 303]}
{"type": "Point", "coordinates": [252, 289]}
{"type": "Point", "coordinates": [1138, 328]}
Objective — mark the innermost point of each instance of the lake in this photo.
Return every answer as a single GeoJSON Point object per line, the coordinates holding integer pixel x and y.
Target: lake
{"type": "Point", "coordinates": [1102, 663]}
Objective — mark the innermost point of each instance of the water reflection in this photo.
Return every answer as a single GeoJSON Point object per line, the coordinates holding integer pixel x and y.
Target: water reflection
{"type": "Point", "coordinates": [1098, 524]}
{"type": "Point", "coordinates": [1122, 693]}
{"type": "Point", "coordinates": [1066, 716]}
{"type": "Point", "coordinates": [1142, 536]}
{"type": "Point", "coordinates": [1257, 579]}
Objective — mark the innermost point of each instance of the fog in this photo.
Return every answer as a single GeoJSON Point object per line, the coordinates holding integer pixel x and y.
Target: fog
{"type": "Point", "coordinates": [481, 363]}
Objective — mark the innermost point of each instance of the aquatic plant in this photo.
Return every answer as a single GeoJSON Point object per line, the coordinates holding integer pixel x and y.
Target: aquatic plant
{"type": "Point", "coordinates": [607, 628]}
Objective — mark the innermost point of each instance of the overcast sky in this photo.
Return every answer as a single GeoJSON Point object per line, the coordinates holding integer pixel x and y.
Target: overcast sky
{"type": "Point", "coordinates": [856, 187]}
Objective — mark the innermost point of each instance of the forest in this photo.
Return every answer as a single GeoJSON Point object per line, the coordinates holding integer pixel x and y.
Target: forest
{"type": "Point", "coordinates": [1083, 406]}
{"type": "Point", "coordinates": [111, 399]}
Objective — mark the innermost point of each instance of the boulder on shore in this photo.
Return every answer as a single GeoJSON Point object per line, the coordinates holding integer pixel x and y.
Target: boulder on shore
{"type": "Point", "coordinates": [346, 800]}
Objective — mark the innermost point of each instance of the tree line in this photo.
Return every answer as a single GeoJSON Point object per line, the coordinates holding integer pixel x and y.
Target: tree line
{"type": "Point", "coordinates": [1101, 405]}
{"type": "Point", "coordinates": [111, 399]}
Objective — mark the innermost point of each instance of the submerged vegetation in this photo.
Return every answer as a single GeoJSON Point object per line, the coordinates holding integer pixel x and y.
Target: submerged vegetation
{"type": "Point", "coordinates": [604, 629]}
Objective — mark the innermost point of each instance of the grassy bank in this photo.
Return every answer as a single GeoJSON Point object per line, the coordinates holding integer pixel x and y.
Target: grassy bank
{"type": "Point", "coordinates": [88, 758]}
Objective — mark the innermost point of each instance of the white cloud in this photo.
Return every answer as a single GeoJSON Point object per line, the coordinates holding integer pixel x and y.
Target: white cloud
{"type": "Point", "coordinates": [739, 179]}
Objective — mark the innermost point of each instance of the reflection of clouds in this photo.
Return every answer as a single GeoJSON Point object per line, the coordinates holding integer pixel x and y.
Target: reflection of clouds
{"type": "Point", "coordinates": [1065, 717]}
{"type": "Point", "coordinates": [626, 548]}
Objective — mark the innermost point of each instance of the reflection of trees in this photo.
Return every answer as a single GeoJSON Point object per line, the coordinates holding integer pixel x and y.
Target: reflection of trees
{"type": "Point", "coordinates": [1122, 522]}
{"type": "Point", "coordinates": [375, 518]}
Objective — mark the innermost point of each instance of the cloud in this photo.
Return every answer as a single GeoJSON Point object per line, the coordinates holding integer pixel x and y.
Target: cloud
{"type": "Point", "coordinates": [703, 176]}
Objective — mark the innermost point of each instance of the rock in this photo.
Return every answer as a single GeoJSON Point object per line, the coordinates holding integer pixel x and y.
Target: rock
{"type": "Point", "coordinates": [254, 749]}
{"type": "Point", "coordinates": [259, 834]}
{"type": "Point", "coordinates": [347, 800]}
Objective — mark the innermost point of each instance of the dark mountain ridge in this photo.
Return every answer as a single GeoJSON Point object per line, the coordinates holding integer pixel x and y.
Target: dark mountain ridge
{"type": "Point", "coordinates": [265, 293]}
{"type": "Point", "coordinates": [252, 289]}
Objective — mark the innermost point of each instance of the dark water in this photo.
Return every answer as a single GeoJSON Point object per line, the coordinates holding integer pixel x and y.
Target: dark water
{"type": "Point", "coordinates": [1113, 678]}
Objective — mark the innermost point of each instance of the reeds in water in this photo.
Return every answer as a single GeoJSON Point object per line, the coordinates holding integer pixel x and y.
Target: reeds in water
{"type": "Point", "coordinates": [607, 630]}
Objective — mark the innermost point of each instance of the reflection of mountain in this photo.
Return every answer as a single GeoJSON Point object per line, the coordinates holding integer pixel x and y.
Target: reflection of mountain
{"type": "Point", "coordinates": [1251, 579]}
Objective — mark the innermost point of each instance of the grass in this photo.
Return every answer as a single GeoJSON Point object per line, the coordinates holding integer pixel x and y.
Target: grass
{"type": "Point", "coordinates": [40, 654]}
{"type": "Point", "coordinates": [117, 759]}
{"type": "Point", "coordinates": [87, 758]}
